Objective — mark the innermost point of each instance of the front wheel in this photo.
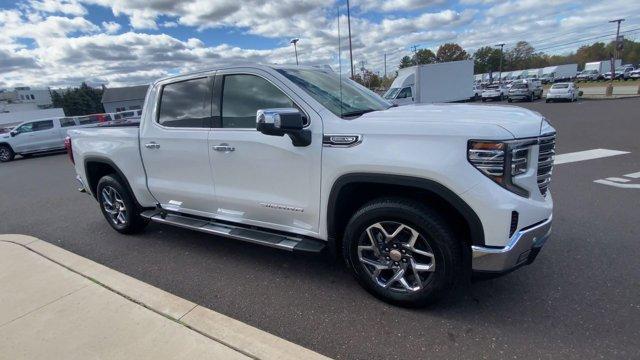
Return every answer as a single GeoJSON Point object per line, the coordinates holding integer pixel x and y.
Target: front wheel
{"type": "Point", "coordinates": [118, 206]}
{"type": "Point", "coordinates": [402, 252]}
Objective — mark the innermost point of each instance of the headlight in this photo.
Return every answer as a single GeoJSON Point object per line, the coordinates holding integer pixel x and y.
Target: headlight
{"type": "Point", "coordinates": [501, 161]}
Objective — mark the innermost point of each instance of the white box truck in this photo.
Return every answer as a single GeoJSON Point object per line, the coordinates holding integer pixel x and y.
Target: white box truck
{"type": "Point", "coordinates": [433, 83]}
{"type": "Point", "coordinates": [552, 74]}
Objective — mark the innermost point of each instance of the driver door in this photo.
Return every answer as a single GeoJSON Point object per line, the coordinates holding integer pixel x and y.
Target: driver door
{"type": "Point", "coordinates": [263, 180]}
{"type": "Point", "coordinates": [405, 96]}
{"type": "Point", "coordinates": [24, 140]}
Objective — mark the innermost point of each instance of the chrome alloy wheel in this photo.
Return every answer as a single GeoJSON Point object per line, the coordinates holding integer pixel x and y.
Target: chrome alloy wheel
{"type": "Point", "coordinates": [114, 205]}
{"type": "Point", "coordinates": [396, 256]}
{"type": "Point", "coordinates": [5, 154]}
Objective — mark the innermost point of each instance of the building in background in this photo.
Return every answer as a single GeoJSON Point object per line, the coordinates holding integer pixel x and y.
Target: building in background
{"type": "Point", "coordinates": [24, 103]}
{"type": "Point", "coordinates": [124, 98]}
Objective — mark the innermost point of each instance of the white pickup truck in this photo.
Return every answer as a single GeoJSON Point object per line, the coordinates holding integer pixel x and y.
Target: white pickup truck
{"type": "Point", "coordinates": [413, 198]}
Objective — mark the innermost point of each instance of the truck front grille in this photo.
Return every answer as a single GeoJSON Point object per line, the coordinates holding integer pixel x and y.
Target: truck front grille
{"type": "Point", "coordinates": [545, 161]}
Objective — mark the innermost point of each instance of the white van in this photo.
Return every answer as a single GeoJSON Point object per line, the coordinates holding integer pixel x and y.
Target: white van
{"type": "Point", "coordinates": [42, 135]}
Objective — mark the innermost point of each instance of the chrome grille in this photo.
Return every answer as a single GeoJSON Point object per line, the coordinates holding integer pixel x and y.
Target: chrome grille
{"type": "Point", "coordinates": [545, 161]}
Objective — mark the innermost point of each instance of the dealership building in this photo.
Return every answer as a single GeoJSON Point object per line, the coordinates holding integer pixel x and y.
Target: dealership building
{"type": "Point", "coordinates": [124, 98]}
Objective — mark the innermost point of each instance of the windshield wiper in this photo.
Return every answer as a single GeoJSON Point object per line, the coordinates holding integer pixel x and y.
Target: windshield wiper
{"type": "Point", "coordinates": [358, 112]}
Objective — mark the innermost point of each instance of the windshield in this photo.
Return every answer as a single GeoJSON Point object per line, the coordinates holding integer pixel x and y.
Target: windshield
{"type": "Point", "coordinates": [325, 86]}
{"type": "Point", "coordinates": [391, 93]}
{"type": "Point", "coordinates": [560, 86]}
{"type": "Point", "coordinates": [621, 69]}
{"type": "Point", "coordinates": [492, 87]}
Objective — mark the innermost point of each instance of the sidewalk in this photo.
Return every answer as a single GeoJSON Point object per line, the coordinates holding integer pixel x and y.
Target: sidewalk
{"type": "Point", "coordinates": [58, 305]}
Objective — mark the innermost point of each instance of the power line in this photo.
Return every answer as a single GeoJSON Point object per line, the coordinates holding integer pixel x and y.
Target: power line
{"type": "Point", "coordinates": [586, 39]}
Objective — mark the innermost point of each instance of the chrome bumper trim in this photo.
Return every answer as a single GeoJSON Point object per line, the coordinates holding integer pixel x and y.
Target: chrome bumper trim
{"type": "Point", "coordinates": [523, 246]}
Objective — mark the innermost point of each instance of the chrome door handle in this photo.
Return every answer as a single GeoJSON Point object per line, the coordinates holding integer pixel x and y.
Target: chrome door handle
{"type": "Point", "coordinates": [223, 147]}
{"type": "Point", "coordinates": [152, 145]}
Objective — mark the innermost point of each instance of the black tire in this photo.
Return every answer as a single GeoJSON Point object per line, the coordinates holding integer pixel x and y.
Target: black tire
{"type": "Point", "coordinates": [547, 101]}
{"type": "Point", "coordinates": [6, 153]}
{"type": "Point", "coordinates": [131, 222]}
{"type": "Point", "coordinates": [509, 100]}
{"type": "Point", "coordinates": [435, 234]}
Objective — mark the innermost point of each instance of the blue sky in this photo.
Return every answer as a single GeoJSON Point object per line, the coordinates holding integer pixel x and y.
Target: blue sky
{"type": "Point", "coordinates": [116, 42]}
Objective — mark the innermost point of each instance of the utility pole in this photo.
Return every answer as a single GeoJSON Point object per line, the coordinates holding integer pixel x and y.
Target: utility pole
{"type": "Point", "coordinates": [414, 48]}
{"type": "Point", "coordinates": [350, 47]}
{"type": "Point", "coordinates": [501, 56]}
{"type": "Point", "coordinates": [295, 48]}
{"type": "Point", "coordinates": [385, 65]}
{"type": "Point", "coordinates": [615, 50]}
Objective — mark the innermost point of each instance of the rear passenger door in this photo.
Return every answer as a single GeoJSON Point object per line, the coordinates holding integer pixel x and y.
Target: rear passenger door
{"type": "Point", "coordinates": [174, 145]}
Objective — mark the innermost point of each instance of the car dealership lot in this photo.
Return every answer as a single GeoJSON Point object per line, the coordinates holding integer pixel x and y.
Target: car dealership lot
{"type": "Point", "coordinates": [580, 298]}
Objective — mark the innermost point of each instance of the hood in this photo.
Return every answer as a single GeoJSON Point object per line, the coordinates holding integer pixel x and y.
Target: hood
{"type": "Point", "coordinates": [518, 121]}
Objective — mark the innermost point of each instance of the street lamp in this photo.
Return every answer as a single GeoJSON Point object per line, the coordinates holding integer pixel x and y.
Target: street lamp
{"type": "Point", "coordinates": [295, 47]}
{"type": "Point", "coordinates": [501, 55]}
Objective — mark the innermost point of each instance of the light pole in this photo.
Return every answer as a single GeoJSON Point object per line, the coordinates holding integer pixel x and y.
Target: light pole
{"type": "Point", "coordinates": [501, 52]}
{"type": "Point", "coordinates": [295, 48]}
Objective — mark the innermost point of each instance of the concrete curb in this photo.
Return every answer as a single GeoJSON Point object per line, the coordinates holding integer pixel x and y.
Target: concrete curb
{"type": "Point", "coordinates": [235, 334]}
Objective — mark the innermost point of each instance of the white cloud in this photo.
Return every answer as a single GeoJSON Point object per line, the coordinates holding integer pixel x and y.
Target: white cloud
{"type": "Point", "coordinates": [110, 27]}
{"type": "Point", "coordinates": [68, 7]}
{"type": "Point", "coordinates": [67, 48]}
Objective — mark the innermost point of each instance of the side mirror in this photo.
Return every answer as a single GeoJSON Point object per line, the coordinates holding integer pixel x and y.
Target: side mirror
{"type": "Point", "coordinates": [13, 133]}
{"type": "Point", "coordinates": [278, 122]}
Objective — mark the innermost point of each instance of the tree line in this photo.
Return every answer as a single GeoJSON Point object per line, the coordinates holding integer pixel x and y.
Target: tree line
{"type": "Point", "coordinates": [83, 100]}
{"type": "Point", "coordinates": [522, 56]}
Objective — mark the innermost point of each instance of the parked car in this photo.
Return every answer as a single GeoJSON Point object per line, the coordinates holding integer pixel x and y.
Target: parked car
{"type": "Point", "coordinates": [635, 74]}
{"type": "Point", "coordinates": [588, 75]}
{"type": "Point", "coordinates": [290, 158]}
{"type": "Point", "coordinates": [622, 73]}
{"type": "Point", "coordinates": [494, 92]}
{"type": "Point", "coordinates": [525, 90]}
{"type": "Point", "coordinates": [127, 115]}
{"type": "Point", "coordinates": [477, 92]}
{"type": "Point", "coordinates": [38, 136]}
{"type": "Point", "coordinates": [563, 91]}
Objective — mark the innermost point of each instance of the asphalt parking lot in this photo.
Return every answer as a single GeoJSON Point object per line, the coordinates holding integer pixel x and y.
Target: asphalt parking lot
{"type": "Point", "coordinates": [580, 299]}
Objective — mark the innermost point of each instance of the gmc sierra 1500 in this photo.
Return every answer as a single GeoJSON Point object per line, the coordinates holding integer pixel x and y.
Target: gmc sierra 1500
{"type": "Point", "coordinates": [299, 159]}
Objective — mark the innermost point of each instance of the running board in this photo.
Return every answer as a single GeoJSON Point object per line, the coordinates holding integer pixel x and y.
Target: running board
{"type": "Point", "coordinates": [261, 237]}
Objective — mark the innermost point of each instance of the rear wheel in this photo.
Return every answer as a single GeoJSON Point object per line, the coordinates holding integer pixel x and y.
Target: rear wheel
{"type": "Point", "coordinates": [402, 252]}
{"type": "Point", "coordinates": [118, 206]}
{"type": "Point", "coordinates": [6, 153]}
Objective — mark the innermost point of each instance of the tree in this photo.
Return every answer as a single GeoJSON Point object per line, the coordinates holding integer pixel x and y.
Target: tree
{"type": "Point", "coordinates": [425, 56]}
{"type": "Point", "coordinates": [405, 62]}
{"type": "Point", "coordinates": [451, 52]}
{"type": "Point", "coordinates": [486, 59]}
{"type": "Point", "coordinates": [78, 101]}
{"type": "Point", "coordinates": [520, 56]}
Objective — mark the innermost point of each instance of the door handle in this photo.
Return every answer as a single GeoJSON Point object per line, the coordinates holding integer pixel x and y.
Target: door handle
{"type": "Point", "coordinates": [152, 145]}
{"type": "Point", "coordinates": [223, 147]}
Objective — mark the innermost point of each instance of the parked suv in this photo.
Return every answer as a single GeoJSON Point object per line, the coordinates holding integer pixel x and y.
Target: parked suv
{"type": "Point", "coordinates": [525, 90]}
{"type": "Point", "coordinates": [38, 136]}
{"type": "Point", "coordinates": [588, 75]}
{"type": "Point", "coordinates": [297, 158]}
{"type": "Point", "coordinates": [622, 72]}
{"type": "Point", "coordinates": [494, 92]}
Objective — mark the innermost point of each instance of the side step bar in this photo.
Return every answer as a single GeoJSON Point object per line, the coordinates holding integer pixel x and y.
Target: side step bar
{"type": "Point", "coordinates": [262, 237]}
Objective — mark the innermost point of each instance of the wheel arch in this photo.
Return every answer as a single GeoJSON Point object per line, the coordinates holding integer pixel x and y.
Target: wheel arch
{"type": "Point", "coordinates": [8, 145]}
{"type": "Point", "coordinates": [349, 192]}
{"type": "Point", "coordinates": [96, 167]}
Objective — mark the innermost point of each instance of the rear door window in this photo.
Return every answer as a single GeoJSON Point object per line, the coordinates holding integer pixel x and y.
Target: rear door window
{"type": "Point", "coordinates": [67, 122]}
{"type": "Point", "coordinates": [42, 125]}
{"type": "Point", "coordinates": [186, 104]}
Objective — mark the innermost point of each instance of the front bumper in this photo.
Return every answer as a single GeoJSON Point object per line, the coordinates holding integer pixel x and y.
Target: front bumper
{"type": "Point", "coordinates": [522, 249]}
{"type": "Point", "coordinates": [519, 96]}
